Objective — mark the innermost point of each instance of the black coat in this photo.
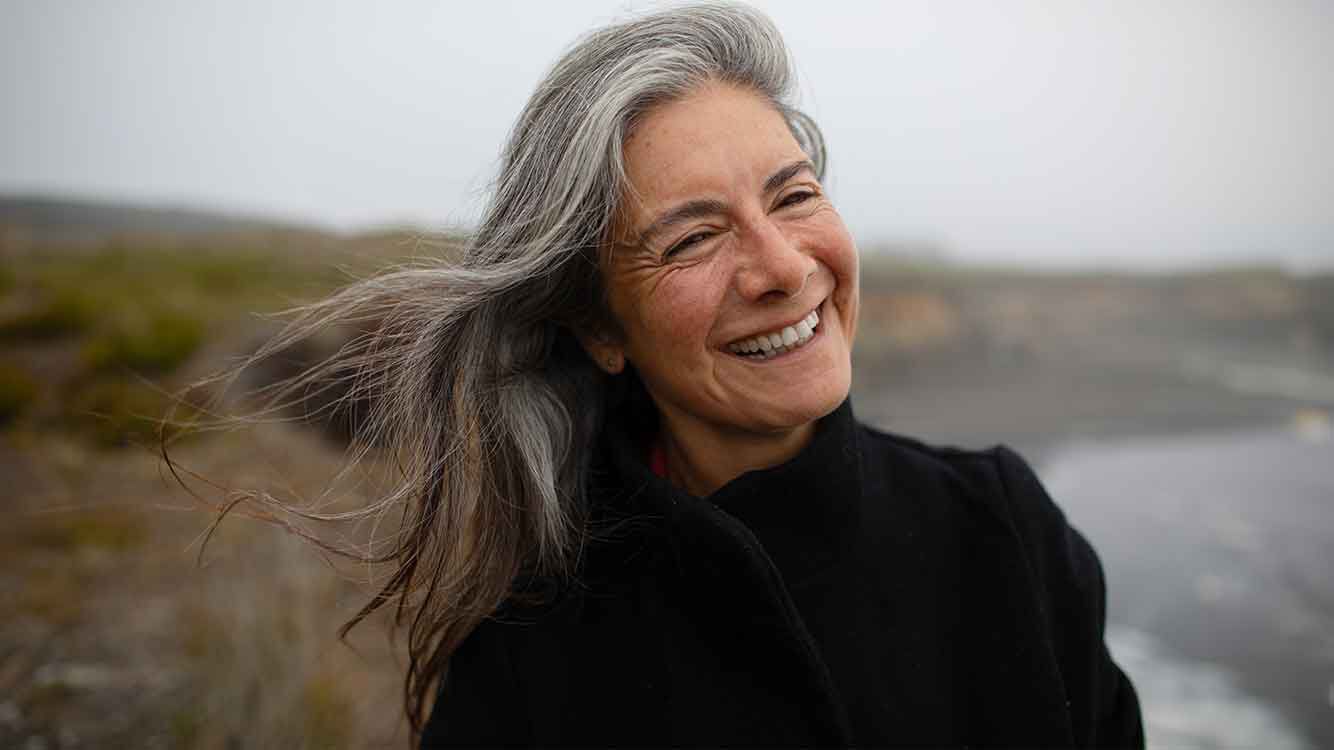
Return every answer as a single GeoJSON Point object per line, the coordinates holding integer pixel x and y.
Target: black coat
{"type": "Point", "coordinates": [873, 591]}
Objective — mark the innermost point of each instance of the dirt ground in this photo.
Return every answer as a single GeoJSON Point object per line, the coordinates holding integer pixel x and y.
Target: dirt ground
{"type": "Point", "coordinates": [121, 634]}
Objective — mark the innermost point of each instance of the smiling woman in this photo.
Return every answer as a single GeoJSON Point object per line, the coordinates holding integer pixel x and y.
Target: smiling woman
{"type": "Point", "coordinates": [736, 288]}
{"type": "Point", "coordinates": [638, 507]}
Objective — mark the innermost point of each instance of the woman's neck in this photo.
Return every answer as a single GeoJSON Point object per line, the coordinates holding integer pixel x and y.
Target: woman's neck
{"type": "Point", "coordinates": [700, 461]}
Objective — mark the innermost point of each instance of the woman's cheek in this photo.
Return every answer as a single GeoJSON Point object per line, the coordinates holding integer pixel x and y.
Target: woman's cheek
{"type": "Point", "coordinates": [685, 310]}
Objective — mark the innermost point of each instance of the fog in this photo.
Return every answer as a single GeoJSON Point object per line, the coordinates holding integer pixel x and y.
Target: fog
{"type": "Point", "coordinates": [1137, 134]}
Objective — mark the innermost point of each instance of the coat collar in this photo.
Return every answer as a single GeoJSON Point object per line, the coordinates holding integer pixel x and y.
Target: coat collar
{"type": "Point", "coordinates": [736, 552]}
{"type": "Point", "coordinates": [802, 511]}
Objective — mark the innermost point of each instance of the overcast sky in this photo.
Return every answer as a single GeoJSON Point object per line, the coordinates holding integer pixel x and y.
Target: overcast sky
{"type": "Point", "coordinates": [1151, 134]}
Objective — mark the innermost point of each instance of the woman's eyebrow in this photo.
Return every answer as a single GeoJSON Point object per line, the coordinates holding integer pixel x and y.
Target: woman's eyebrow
{"type": "Point", "coordinates": [684, 212]}
{"type": "Point", "coordinates": [777, 179]}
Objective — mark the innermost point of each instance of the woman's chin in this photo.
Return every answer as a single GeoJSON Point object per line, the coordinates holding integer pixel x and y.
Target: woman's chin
{"type": "Point", "coordinates": [816, 406]}
{"type": "Point", "coordinates": [791, 408]}
{"type": "Point", "coordinates": [796, 389]}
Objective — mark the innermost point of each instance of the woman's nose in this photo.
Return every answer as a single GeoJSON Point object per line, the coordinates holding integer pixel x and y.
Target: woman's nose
{"type": "Point", "coordinates": [771, 264]}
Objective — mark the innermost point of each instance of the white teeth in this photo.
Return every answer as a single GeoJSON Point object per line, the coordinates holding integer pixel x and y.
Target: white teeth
{"type": "Point", "coordinates": [770, 345]}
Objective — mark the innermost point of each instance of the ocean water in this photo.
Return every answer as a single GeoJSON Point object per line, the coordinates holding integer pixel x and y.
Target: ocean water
{"type": "Point", "coordinates": [1219, 555]}
{"type": "Point", "coordinates": [1196, 705]}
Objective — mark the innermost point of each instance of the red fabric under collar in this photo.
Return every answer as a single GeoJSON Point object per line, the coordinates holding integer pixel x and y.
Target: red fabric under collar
{"type": "Point", "coordinates": [657, 459]}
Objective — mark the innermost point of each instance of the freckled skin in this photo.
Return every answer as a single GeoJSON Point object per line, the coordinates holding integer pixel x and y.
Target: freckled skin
{"type": "Point", "coordinates": [761, 260]}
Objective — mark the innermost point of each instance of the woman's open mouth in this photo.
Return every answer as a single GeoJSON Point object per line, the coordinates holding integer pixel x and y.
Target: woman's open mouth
{"type": "Point", "coordinates": [775, 343]}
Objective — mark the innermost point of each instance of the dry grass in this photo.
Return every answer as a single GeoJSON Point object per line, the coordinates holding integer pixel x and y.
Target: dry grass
{"type": "Point", "coordinates": [110, 612]}
{"type": "Point", "coordinates": [115, 636]}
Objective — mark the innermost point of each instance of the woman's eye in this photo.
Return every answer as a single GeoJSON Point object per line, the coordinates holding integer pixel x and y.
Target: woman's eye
{"type": "Point", "coordinates": [686, 243]}
{"type": "Point", "coordinates": [792, 199]}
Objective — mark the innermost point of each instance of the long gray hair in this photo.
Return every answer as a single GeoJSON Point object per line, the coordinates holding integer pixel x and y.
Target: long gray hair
{"type": "Point", "coordinates": [478, 390]}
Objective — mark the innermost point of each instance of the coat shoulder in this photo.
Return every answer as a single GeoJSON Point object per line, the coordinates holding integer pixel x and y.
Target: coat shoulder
{"type": "Point", "coordinates": [997, 477]}
{"type": "Point", "coordinates": [1064, 572]}
{"type": "Point", "coordinates": [998, 483]}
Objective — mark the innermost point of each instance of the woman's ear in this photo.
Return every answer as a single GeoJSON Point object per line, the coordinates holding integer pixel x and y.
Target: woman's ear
{"type": "Point", "coordinates": [605, 351]}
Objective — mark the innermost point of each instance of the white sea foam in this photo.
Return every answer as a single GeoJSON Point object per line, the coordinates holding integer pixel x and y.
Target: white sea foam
{"type": "Point", "coordinates": [1191, 705]}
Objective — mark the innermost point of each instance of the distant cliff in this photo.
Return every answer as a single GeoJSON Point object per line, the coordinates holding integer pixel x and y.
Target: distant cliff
{"type": "Point", "coordinates": [46, 220]}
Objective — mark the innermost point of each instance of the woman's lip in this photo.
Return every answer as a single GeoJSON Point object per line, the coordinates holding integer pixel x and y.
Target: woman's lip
{"type": "Point", "coordinates": [790, 355]}
{"type": "Point", "coordinates": [786, 351]}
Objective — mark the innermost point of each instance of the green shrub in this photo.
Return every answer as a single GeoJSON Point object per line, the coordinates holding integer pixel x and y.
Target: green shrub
{"type": "Point", "coordinates": [66, 314]}
{"type": "Point", "coordinates": [327, 714]}
{"type": "Point", "coordinates": [116, 412]}
{"type": "Point", "coordinates": [219, 274]}
{"type": "Point", "coordinates": [17, 391]}
{"type": "Point", "coordinates": [185, 727]}
{"type": "Point", "coordinates": [156, 343]}
{"type": "Point", "coordinates": [71, 530]}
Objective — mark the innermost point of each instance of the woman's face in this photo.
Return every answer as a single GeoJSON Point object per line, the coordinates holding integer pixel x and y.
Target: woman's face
{"type": "Point", "coordinates": [726, 250]}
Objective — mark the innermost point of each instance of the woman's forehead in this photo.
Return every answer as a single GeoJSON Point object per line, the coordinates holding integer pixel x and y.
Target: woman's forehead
{"type": "Point", "coordinates": [716, 140]}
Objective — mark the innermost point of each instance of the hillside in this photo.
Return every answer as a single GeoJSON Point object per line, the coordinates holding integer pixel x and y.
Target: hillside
{"type": "Point", "coordinates": [45, 220]}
